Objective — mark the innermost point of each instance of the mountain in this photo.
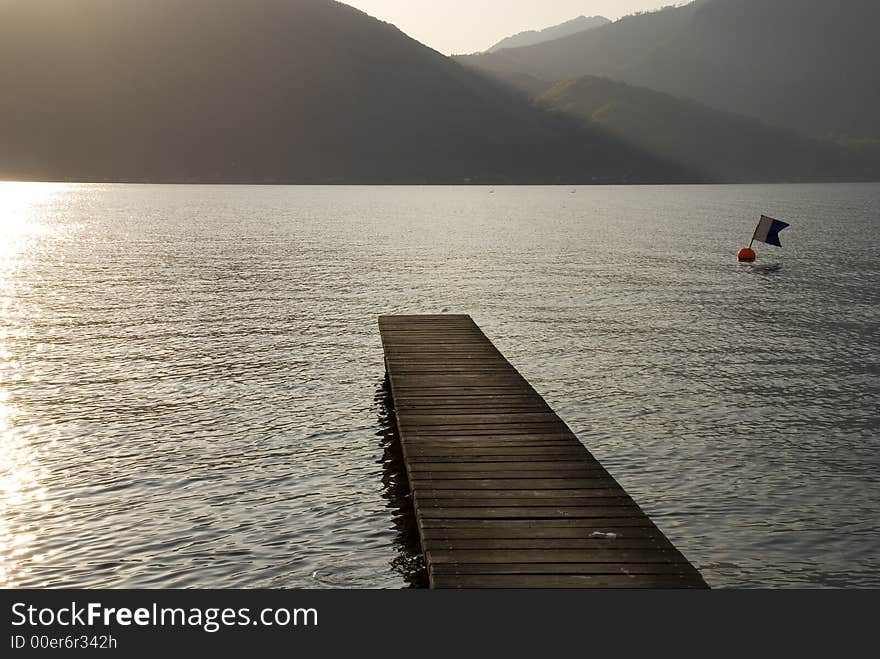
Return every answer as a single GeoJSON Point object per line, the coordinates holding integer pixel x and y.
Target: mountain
{"type": "Point", "coordinates": [808, 65]}
{"type": "Point", "coordinates": [296, 91]}
{"type": "Point", "coordinates": [609, 51]}
{"type": "Point", "coordinates": [719, 145]}
{"type": "Point", "coordinates": [532, 37]}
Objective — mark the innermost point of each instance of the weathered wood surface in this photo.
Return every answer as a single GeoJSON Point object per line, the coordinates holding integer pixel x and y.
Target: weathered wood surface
{"type": "Point", "coordinates": [505, 495]}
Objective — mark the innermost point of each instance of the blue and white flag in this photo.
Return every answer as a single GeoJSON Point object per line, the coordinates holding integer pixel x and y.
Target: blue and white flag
{"type": "Point", "coordinates": [768, 230]}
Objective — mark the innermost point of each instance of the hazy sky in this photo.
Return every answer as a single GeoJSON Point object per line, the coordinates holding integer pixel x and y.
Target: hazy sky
{"type": "Point", "coordinates": [466, 26]}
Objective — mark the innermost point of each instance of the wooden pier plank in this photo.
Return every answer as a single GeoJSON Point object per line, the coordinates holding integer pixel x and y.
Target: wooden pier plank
{"type": "Point", "coordinates": [567, 581]}
{"type": "Point", "coordinates": [505, 495]}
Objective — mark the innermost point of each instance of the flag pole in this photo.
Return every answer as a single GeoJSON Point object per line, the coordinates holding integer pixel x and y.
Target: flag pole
{"type": "Point", "coordinates": [755, 233]}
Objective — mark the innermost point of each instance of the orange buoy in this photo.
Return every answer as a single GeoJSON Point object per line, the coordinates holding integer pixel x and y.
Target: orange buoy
{"type": "Point", "coordinates": [746, 255]}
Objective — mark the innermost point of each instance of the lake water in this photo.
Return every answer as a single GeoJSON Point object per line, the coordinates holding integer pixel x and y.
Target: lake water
{"type": "Point", "coordinates": [191, 377]}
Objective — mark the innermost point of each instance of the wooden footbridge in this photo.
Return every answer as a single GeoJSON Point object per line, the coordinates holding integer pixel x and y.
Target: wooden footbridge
{"type": "Point", "coordinates": [504, 493]}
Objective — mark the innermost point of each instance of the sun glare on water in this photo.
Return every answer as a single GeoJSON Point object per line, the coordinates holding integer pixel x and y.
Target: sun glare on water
{"type": "Point", "coordinates": [22, 494]}
{"type": "Point", "coordinates": [19, 207]}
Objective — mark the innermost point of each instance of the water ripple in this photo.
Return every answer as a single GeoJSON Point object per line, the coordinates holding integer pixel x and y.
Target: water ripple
{"type": "Point", "coordinates": [191, 394]}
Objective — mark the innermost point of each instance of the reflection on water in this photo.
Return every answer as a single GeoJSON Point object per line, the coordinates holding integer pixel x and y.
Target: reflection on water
{"type": "Point", "coordinates": [409, 560]}
{"type": "Point", "coordinates": [765, 269]}
{"type": "Point", "coordinates": [188, 374]}
{"type": "Point", "coordinates": [23, 497]}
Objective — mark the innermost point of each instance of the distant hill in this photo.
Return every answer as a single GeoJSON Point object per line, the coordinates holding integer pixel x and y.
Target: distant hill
{"type": "Point", "coordinates": [610, 51]}
{"type": "Point", "coordinates": [300, 91]}
{"type": "Point", "coordinates": [719, 145]}
{"type": "Point", "coordinates": [808, 65]}
{"type": "Point", "coordinates": [532, 37]}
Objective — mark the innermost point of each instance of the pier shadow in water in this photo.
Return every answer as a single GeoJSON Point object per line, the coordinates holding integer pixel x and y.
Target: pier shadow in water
{"type": "Point", "coordinates": [409, 562]}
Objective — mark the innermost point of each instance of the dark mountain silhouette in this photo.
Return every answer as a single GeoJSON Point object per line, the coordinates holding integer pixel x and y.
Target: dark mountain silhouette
{"type": "Point", "coordinates": [809, 65]}
{"type": "Point", "coordinates": [532, 37]}
{"type": "Point", "coordinates": [610, 51]}
{"type": "Point", "coordinates": [268, 90]}
{"type": "Point", "coordinates": [723, 146]}
{"type": "Point", "coordinates": [303, 91]}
